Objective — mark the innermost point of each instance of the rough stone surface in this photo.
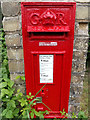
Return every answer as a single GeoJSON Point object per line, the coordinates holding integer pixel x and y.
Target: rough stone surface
{"type": "Point", "coordinates": [82, 12]}
{"type": "Point", "coordinates": [15, 54]}
{"type": "Point", "coordinates": [21, 87]}
{"type": "Point", "coordinates": [12, 40]}
{"type": "Point", "coordinates": [81, 43]}
{"type": "Point", "coordinates": [16, 66]}
{"type": "Point", "coordinates": [83, 29]}
{"type": "Point", "coordinates": [10, 8]}
{"type": "Point", "coordinates": [79, 55]}
{"type": "Point", "coordinates": [78, 67]}
{"type": "Point", "coordinates": [11, 23]}
{"type": "Point", "coordinates": [17, 81]}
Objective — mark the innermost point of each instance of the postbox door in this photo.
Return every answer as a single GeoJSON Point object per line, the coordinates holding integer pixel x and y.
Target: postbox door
{"type": "Point", "coordinates": [51, 93]}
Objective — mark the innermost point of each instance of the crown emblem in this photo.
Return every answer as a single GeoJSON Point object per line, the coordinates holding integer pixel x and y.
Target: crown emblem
{"type": "Point", "coordinates": [48, 17]}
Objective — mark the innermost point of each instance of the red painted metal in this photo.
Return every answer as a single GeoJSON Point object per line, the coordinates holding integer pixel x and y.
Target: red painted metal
{"type": "Point", "coordinates": [48, 29]}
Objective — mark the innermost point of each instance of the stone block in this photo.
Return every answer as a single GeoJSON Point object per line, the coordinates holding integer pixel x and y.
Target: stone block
{"type": "Point", "coordinates": [15, 54]}
{"type": "Point", "coordinates": [10, 8]}
{"type": "Point", "coordinates": [76, 91]}
{"type": "Point", "coordinates": [16, 66]}
{"type": "Point", "coordinates": [75, 99]}
{"type": "Point", "coordinates": [21, 87]}
{"type": "Point", "coordinates": [82, 12]}
{"type": "Point", "coordinates": [17, 81]}
{"type": "Point", "coordinates": [80, 55]}
{"type": "Point", "coordinates": [81, 43]}
{"type": "Point", "coordinates": [13, 40]}
{"type": "Point", "coordinates": [74, 108]}
{"type": "Point", "coordinates": [83, 29]}
{"type": "Point", "coordinates": [77, 80]}
{"type": "Point", "coordinates": [78, 67]}
{"type": "Point", "coordinates": [11, 24]}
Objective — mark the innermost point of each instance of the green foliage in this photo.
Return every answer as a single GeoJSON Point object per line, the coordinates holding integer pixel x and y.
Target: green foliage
{"type": "Point", "coordinates": [14, 105]}
{"type": "Point", "coordinates": [81, 114]}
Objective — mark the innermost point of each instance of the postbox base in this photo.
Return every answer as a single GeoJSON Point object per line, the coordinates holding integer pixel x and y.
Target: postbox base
{"type": "Point", "coordinates": [54, 114]}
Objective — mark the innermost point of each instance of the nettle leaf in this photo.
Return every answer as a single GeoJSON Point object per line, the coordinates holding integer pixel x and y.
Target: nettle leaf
{"type": "Point", "coordinates": [3, 92]}
{"type": "Point", "coordinates": [23, 102]}
{"type": "Point", "coordinates": [5, 99]}
{"type": "Point", "coordinates": [10, 83]}
{"type": "Point", "coordinates": [12, 103]}
{"type": "Point", "coordinates": [5, 62]}
{"type": "Point", "coordinates": [5, 78]}
{"type": "Point", "coordinates": [18, 90]}
{"type": "Point", "coordinates": [37, 113]}
{"type": "Point", "coordinates": [32, 115]}
{"type": "Point", "coordinates": [23, 78]}
{"type": "Point", "coordinates": [4, 112]}
{"type": "Point", "coordinates": [28, 96]}
{"type": "Point", "coordinates": [15, 112]}
{"type": "Point", "coordinates": [9, 114]}
{"type": "Point", "coordinates": [17, 77]}
{"type": "Point", "coordinates": [3, 84]}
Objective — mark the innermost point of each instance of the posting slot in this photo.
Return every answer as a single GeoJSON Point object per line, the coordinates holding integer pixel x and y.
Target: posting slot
{"type": "Point", "coordinates": [47, 35]}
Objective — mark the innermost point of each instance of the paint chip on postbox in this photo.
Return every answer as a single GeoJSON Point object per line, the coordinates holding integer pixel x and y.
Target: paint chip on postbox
{"type": "Point", "coordinates": [47, 43]}
{"type": "Point", "coordinates": [46, 68]}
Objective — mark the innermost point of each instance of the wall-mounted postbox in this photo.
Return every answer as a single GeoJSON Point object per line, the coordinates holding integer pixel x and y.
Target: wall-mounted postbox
{"type": "Point", "coordinates": [48, 34]}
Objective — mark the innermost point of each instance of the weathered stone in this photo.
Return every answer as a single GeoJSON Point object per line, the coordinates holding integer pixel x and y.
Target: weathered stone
{"type": "Point", "coordinates": [71, 109]}
{"type": "Point", "coordinates": [10, 8]}
{"type": "Point", "coordinates": [79, 55]}
{"type": "Point", "coordinates": [21, 87]}
{"type": "Point", "coordinates": [13, 40]}
{"type": "Point", "coordinates": [76, 28]}
{"type": "Point", "coordinates": [81, 43]}
{"type": "Point", "coordinates": [75, 99]}
{"type": "Point", "coordinates": [81, 12]}
{"type": "Point", "coordinates": [15, 54]}
{"type": "Point", "coordinates": [76, 91]}
{"type": "Point", "coordinates": [16, 66]}
{"type": "Point", "coordinates": [78, 67]}
{"type": "Point", "coordinates": [11, 23]}
{"type": "Point", "coordinates": [77, 80]}
{"type": "Point", "coordinates": [83, 29]}
{"type": "Point", "coordinates": [17, 81]}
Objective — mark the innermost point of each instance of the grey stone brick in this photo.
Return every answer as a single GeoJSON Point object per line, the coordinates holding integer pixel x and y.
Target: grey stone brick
{"type": "Point", "coordinates": [11, 23]}
{"type": "Point", "coordinates": [15, 54]}
{"type": "Point", "coordinates": [13, 40]}
{"type": "Point", "coordinates": [10, 8]}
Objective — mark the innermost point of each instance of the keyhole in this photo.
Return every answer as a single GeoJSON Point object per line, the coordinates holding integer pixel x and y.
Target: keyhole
{"type": "Point", "coordinates": [42, 90]}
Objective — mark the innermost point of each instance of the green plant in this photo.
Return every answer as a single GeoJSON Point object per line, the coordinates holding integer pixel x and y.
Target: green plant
{"type": "Point", "coordinates": [81, 114]}
{"type": "Point", "coordinates": [17, 105]}
{"type": "Point", "coordinates": [13, 104]}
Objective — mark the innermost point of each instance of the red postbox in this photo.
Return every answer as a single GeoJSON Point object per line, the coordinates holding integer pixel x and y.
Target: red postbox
{"type": "Point", "coordinates": [48, 34]}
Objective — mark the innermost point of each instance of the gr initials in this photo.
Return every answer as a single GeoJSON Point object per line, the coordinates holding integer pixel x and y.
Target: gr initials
{"type": "Point", "coordinates": [57, 19]}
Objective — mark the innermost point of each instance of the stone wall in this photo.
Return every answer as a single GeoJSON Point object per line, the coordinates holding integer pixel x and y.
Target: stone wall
{"type": "Point", "coordinates": [12, 27]}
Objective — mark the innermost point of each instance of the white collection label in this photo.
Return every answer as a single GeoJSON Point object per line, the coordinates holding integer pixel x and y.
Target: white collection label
{"type": "Point", "coordinates": [47, 43]}
{"type": "Point", "coordinates": [46, 68]}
